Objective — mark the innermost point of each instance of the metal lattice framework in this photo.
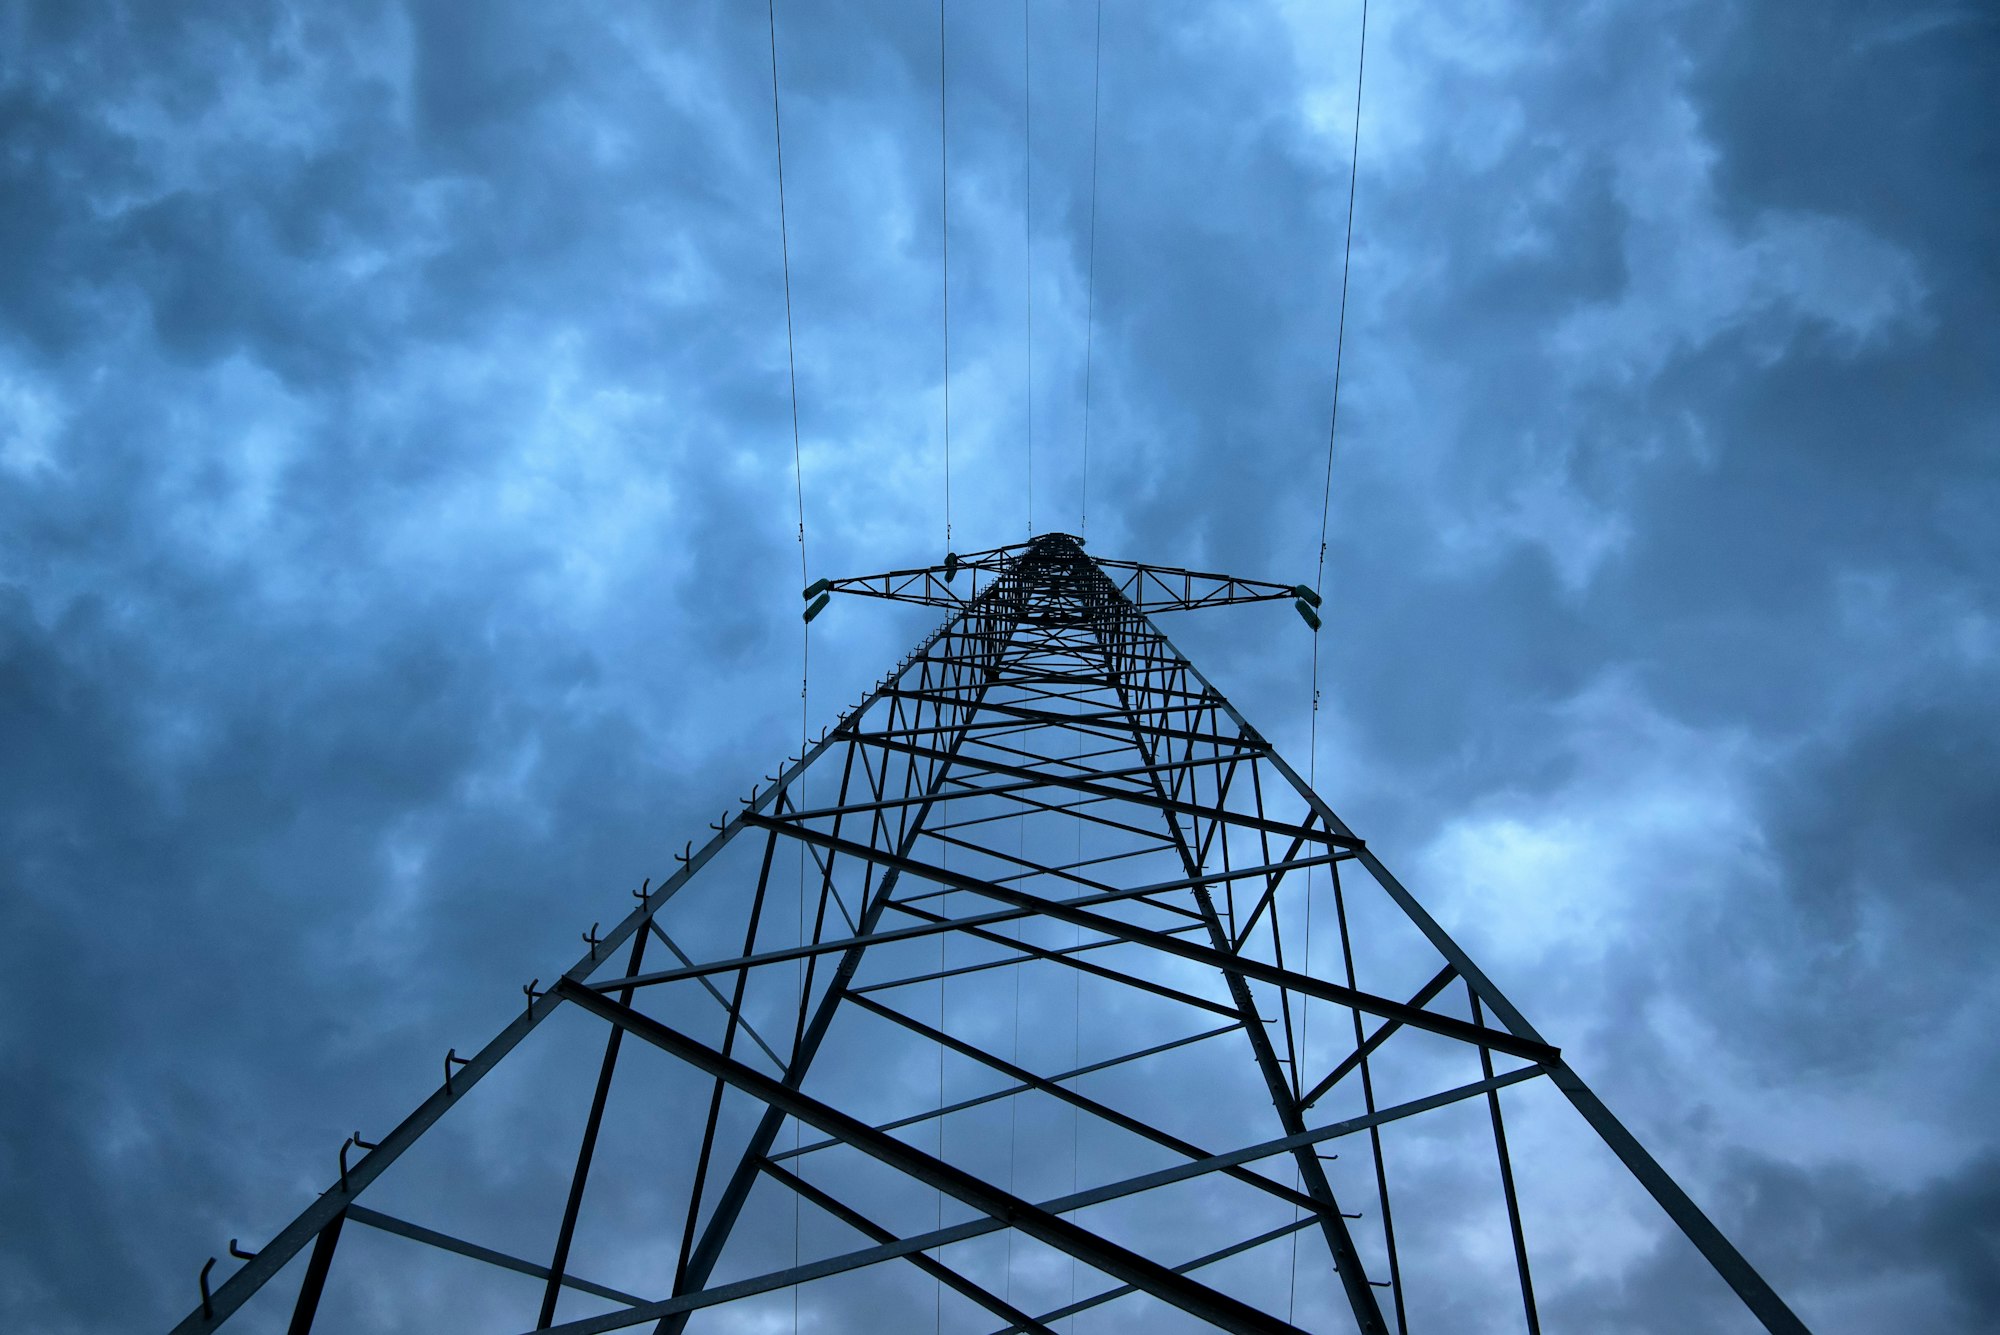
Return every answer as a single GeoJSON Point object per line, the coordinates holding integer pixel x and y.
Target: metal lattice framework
{"type": "Point", "coordinates": [1043, 1026]}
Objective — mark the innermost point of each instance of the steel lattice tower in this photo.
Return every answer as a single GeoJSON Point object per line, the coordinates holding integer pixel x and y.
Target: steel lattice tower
{"type": "Point", "coordinates": [1047, 857]}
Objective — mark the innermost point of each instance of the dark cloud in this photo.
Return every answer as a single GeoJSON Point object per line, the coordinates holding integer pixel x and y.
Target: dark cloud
{"type": "Point", "coordinates": [398, 556]}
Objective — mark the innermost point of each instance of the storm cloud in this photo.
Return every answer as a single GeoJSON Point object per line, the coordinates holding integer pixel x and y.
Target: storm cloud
{"type": "Point", "coordinates": [398, 552]}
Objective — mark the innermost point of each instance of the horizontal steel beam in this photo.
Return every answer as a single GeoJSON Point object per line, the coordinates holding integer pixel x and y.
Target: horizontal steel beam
{"type": "Point", "coordinates": [868, 1228]}
{"type": "Point", "coordinates": [1009, 1091]}
{"type": "Point", "coordinates": [1066, 911]}
{"type": "Point", "coordinates": [1079, 1200]}
{"type": "Point", "coordinates": [1198, 1300]}
{"type": "Point", "coordinates": [1347, 1064]}
{"type": "Point", "coordinates": [403, 1228]}
{"type": "Point", "coordinates": [783, 954]}
{"type": "Point", "coordinates": [1082, 1102]}
{"type": "Point", "coordinates": [1095, 786]}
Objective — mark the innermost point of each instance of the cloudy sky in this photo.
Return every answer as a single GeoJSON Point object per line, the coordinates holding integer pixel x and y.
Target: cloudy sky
{"type": "Point", "coordinates": [399, 555]}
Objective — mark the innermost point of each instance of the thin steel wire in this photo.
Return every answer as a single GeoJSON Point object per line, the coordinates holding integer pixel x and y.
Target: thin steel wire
{"type": "Point", "coordinates": [799, 488]}
{"type": "Point", "coordinates": [944, 234]}
{"type": "Point", "coordinates": [1028, 246]}
{"type": "Point", "coordinates": [1090, 282]}
{"type": "Point", "coordinates": [1319, 575]}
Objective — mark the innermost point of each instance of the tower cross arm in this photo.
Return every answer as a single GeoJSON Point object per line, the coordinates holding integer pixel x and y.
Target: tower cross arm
{"type": "Point", "coordinates": [1149, 587]}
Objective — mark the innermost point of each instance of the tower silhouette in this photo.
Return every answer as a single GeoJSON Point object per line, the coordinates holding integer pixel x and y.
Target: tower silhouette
{"type": "Point", "coordinates": [1035, 986]}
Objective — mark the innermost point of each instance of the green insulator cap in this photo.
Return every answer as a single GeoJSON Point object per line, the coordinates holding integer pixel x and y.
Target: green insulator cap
{"type": "Point", "coordinates": [1306, 595]}
{"type": "Point", "coordinates": [950, 566]}
{"type": "Point", "coordinates": [819, 605]}
{"type": "Point", "coordinates": [1306, 614]}
{"type": "Point", "coordinates": [817, 587]}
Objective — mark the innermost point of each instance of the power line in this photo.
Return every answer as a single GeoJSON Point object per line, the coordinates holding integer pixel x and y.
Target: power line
{"type": "Point", "coordinates": [799, 486]}
{"type": "Point", "coordinates": [1319, 591]}
{"type": "Point", "coordinates": [785, 245]}
{"type": "Point", "coordinates": [1028, 245]}
{"type": "Point", "coordinates": [944, 212]}
{"type": "Point", "coordinates": [1340, 337]}
{"type": "Point", "coordinates": [1339, 351]}
{"type": "Point", "coordinates": [1090, 283]}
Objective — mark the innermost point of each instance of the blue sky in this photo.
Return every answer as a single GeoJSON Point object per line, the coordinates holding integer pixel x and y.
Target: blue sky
{"type": "Point", "coordinates": [398, 554]}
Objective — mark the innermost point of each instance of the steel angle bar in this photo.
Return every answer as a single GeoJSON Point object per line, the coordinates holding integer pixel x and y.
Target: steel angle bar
{"type": "Point", "coordinates": [1381, 1161]}
{"type": "Point", "coordinates": [1090, 723]}
{"type": "Point", "coordinates": [1286, 1144]}
{"type": "Point", "coordinates": [1009, 1091]}
{"type": "Point", "coordinates": [715, 992]}
{"type": "Point", "coordinates": [1197, 1300]}
{"type": "Point", "coordinates": [944, 876]}
{"type": "Point", "coordinates": [1506, 1163]}
{"type": "Point", "coordinates": [1185, 1267]}
{"type": "Point", "coordinates": [873, 1231]}
{"type": "Point", "coordinates": [1037, 761]}
{"type": "Point", "coordinates": [1094, 785]}
{"type": "Point", "coordinates": [318, 1265]}
{"type": "Point", "coordinates": [566, 1232]}
{"type": "Point", "coordinates": [403, 1228]}
{"type": "Point", "coordinates": [1270, 892]}
{"type": "Point", "coordinates": [1153, 847]}
{"type": "Point", "coordinates": [734, 1014]}
{"type": "Point", "coordinates": [1345, 1066]}
{"type": "Point", "coordinates": [882, 936]}
{"type": "Point", "coordinates": [831, 887]}
{"type": "Point", "coordinates": [1083, 1103]}
{"type": "Point", "coordinates": [1019, 794]}
{"type": "Point", "coordinates": [1416, 1017]}
{"type": "Point", "coordinates": [1064, 871]}
{"type": "Point", "coordinates": [1065, 956]}
{"type": "Point", "coordinates": [1269, 588]}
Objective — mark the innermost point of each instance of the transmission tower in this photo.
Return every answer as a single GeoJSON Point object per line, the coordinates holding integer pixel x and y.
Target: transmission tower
{"type": "Point", "coordinates": [1027, 995]}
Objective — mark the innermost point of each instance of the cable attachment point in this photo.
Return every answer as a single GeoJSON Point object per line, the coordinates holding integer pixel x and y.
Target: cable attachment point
{"type": "Point", "coordinates": [353, 1140]}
